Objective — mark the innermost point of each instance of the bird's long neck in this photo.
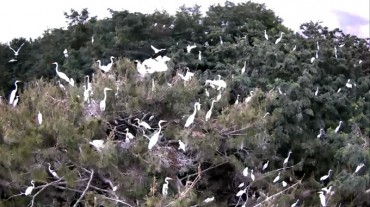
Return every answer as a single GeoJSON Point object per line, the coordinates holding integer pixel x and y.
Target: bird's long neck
{"type": "Point", "coordinates": [111, 60]}
{"type": "Point", "coordinates": [56, 68]}
{"type": "Point", "coordinates": [213, 102]}
{"type": "Point", "coordinates": [195, 109]}
{"type": "Point", "coordinates": [105, 95]}
{"type": "Point", "coordinates": [16, 87]}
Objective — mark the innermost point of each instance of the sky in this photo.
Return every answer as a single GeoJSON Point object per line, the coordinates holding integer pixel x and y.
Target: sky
{"type": "Point", "coordinates": [28, 19]}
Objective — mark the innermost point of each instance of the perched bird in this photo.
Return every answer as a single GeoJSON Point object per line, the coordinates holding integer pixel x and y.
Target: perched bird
{"type": "Point", "coordinates": [279, 39]}
{"type": "Point", "coordinates": [243, 69]}
{"type": "Point", "coordinates": [358, 168]}
{"type": "Point", "coordinates": [156, 50]}
{"type": "Point", "coordinates": [12, 94]}
{"type": "Point", "coordinates": [284, 184]}
{"type": "Point", "coordinates": [209, 112]}
{"type": "Point", "coordinates": [286, 159]}
{"type": "Point", "coordinates": [39, 118]}
{"type": "Point", "coordinates": [30, 188]}
{"type": "Point", "coordinates": [98, 144]}
{"type": "Point", "coordinates": [295, 204]}
{"type": "Point", "coordinates": [321, 134]}
{"type": "Point", "coordinates": [52, 172]}
{"type": "Point", "coordinates": [62, 75]}
{"type": "Point", "coordinates": [191, 118]}
{"type": "Point", "coordinates": [335, 52]}
{"type": "Point", "coordinates": [200, 56]}
{"type": "Point", "coordinates": [237, 100]}
{"type": "Point", "coordinates": [349, 84]}
{"type": "Point", "coordinates": [206, 92]}
{"type": "Point", "coordinates": [189, 48]}
{"type": "Point", "coordinates": [338, 127]}
{"type": "Point", "coordinates": [103, 102]}
{"type": "Point", "coordinates": [143, 124]}
{"type": "Point", "coordinates": [252, 175]}
{"type": "Point", "coordinates": [165, 186]}
{"type": "Point", "coordinates": [294, 48]}
{"type": "Point", "coordinates": [208, 200]}
{"type": "Point", "coordinates": [245, 172]}
{"type": "Point", "coordinates": [266, 36]}
{"type": "Point", "coordinates": [106, 68]}
{"type": "Point", "coordinates": [65, 52]}
{"type": "Point", "coordinates": [182, 146]}
{"type": "Point", "coordinates": [317, 91]}
{"type": "Point", "coordinates": [277, 178]}
{"type": "Point", "coordinates": [128, 135]}
{"type": "Point", "coordinates": [12, 60]}
{"type": "Point", "coordinates": [241, 192]}
{"type": "Point", "coordinates": [326, 176]}
{"type": "Point", "coordinates": [322, 199]}
{"type": "Point", "coordinates": [265, 165]}
{"type": "Point", "coordinates": [154, 138]}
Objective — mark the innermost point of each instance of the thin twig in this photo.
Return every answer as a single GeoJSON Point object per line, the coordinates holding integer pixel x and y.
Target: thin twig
{"type": "Point", "coordinates": [119, 201]}
{"type": "Point", "coordinates": [87, 187]}
{"type": "Point", "coordinates": [43, 188]}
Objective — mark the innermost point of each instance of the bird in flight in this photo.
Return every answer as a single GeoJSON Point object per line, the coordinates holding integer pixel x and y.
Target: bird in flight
{"type": "Point", "coordinates": [16, 53]}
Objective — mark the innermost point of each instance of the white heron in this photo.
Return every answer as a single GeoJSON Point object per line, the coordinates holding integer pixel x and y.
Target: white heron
{"type": "Point", "coordinates": [277, 178]}
{"type": "Point", "coordinates": [30, 188]}
{"type": "Point", "coordinates": [245, 171]}
{"type": "Point", "coordinates": [15, 101]}
{"type": "Point", "coordinates": [335, 52]}
{"type": "Point", "coordinates": [92, 39]}
{"type": "Point", "coordinates": [154, 139]}
{"type": "Point", "coordinates": [156, 50]}
{"type": "Point", "coordinates": [349, 84]}
{"type": "Point", "coordinates": [322, 199]}
{"type": "Point", "coordinates": [61, 74]}
{"type": "Point", "coordinates": [284, 183]}
{"type": "Point", "coordinates": [208, 200]}
{"type": "Point", "coordinates": [128, 135]}
{"type": "Point", "coordinates": [61, 86]}
{"type": "Point", "coordinates": [200, 56]}
{"type": "Point", "coordinates": [294, 48]}
{"type": "Point", "coordinates": [317, 54]}
{"type": "Point", "coordinates": [189, 48]}
{"type": "Point", "coordinates": [264, 167]}
{"type": "Point", "coordinates": [317, 45]}
{"type": "Point", "coordinates": [209, 112]}
{"type": "Point", "coordinates": [237, 100]}
{"type": "Point", "coordinates": [221, 42]}
{"type": "Point", "coordinates": [317, 91]}
{"type": "Point", "coordinates": [12, 94]}
{"type": "Point", "coordinates": [191, 118]}
{"type": "Point", "coordinates": [338, 127]}
{"type": "Point", "coordinates": [279, 39]}
{"type": "Point", "coordinates": [312, 59]}
{"type": "Point", "coordinates": [218, 98]}
{"type": "Point", "coordinates": [241, 192]}
{"type": "Point", "coordinates": [321, 133]}
{"type": "Point", "coordinates": [165, 186]}
{"type": "Point", "coordinates": [39, 118]}
{"type": "Point", "coordinates": [206, 92]}
{"type": "Point", "coordinates": [241, 185]}
{"type": "Point", "coordinates": [182, 146]}
{"type": "Point", "coordinates": [106, 68]}
{"type": "Point", "coordinates": [16, 53]}
{"type": "Point", "coordinates": [243, 68]}
{"type": "Point", "coordinates": [86, 94]}
{"type": "Point", "coordinates": [286, 159]}
{"type": "Point", "coordinates": [12, 60]}
{"type": "Point", "coordinates": [98, 144]}
{"type": "Point", "coordinates": [52, 172]}
{"type": "Point", "coordinates": [266, 36]}
{"type": "Point", "coordinates": [103, 102]}
{"type": "Point", "coordinates": [143, 124]}
{"type": "Point", "coordinates": [326, 176]}
{"type": "Point", "coordinates": [249, 98]}
{"type": "Point", "coordinates": [295, 204]}
{"type": "Point", "coordinates": [252, 175]}
{"type": "Point", "coordinates": [358, 168]}
{"type": "Point", "coordinates": [65, 52]}
{"type": "Point", "coordinates": [342, 45]}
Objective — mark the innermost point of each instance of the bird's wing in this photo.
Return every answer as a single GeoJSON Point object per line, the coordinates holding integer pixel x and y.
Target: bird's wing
{"type": "Point", "coordinates": [20, 47]}
{"type": "Point", "coordinates": [155, 49]}
{"type": "Point", "coordinates": [12, 49]}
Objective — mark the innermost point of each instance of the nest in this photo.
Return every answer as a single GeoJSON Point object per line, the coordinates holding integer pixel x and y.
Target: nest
{"type": "Point", "coordinates": [173, 158]}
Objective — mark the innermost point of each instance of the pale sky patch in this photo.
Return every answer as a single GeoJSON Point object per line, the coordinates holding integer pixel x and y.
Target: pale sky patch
{"type": "Point", "coordinates": [24, 18]}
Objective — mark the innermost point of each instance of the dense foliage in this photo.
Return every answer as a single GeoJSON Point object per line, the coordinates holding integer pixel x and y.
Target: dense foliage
{"type": "Point", "coordinates": [282, 97]}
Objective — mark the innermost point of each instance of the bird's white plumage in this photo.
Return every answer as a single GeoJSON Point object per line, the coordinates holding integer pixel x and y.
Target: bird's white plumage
{"type": "Point", "coordinates": [191, 118]}
{"type": "Point", "coordinates": [98, 144]}
{"type": "Point", "coordinates": [165, 186]}
{"type": "Point", "coordinates": [265, 165]}
{"type": "Point", "coordinates": [182, 146]}
{"type": "Point", "coordinates": [245, 171]}
{"type": "Point", "coordinates": [103, 102]}
{"type": "Point", "coordinates": [12, 94]}
{"type": "Point", "coordinates": [326, 176]}
{"type": "Point", "coordinates": [279, 39]}
{"type": "Point", "coordinates": [208, 200]}
{"type": "Point", "coordinates": [277, 178]}
{"type": "Point", "coordinates": [358, 168]}
{"type": "Point", "coordinates": [209, 112]}
{"type": "Point", "coordinates": [39, 118]}
{"type": "Point", "coordinates": [30, 188]}
{"type": "Point", "coordinates": [154, 139]}
{"type": "Point", "coordinates": [15, 101]}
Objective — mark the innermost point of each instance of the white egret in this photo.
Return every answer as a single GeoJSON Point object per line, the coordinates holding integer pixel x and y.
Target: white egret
{"type": "Point", "coordinates": [61, 74]}
{"type": "Point", "coordinates": [295, 204]}
{"type": "Point", "coordinates": [335, 52]}
{"type": "Point", "coordinates": [39, 118]}
{"type": "Point", "coordinates": [206, 92]}
{"type": "Point", "coordinates": [359, 62]}
{"type": "Point", "coordinates": [165, 186]}
{"type": "Point", "coordinates": [98, 144]}
{"type": "Point", "coordinates": [266, 36]}
{"type": "Point", "coordinates": [15, 101]}
{"type": "Point", "coordinates": [155, 49]}
{"type": "Point", "coordinates": [241, 185]}
{"type": "Point", "coordinates": [284, 184]}
{"type": "Point", "coordinates": [143, 124]}
{"type": "Point", "coordinates": [65, 52]}
{"type": "Point", "coordinates": [342, 45]}
{"type": "Point", "coordinates": [92, 39]}
{"type": "Point", "coordinates": [322, 199]}
{"type": "Point", "coordinates": [326, 176]}
{"type": "Point", "coordinates": [52, 172]}
{"type": "Point", "coordinates": [189, 48]}
{"type": "Point", "coordinates": [182, 146]}
{"type": "Point", "coordinates": [209, 112]}
{"type": "Point", "coordinates": [243, 69]}
{"type": "Point", "coordinates": [61, 85]}
{"type": "Point", "coordinates": [279, 39]}
{"type": "Point", "coordinates": [16, 53]}
{"type": "Point", "coordinates": [128, 135]}
{"type": "Point", "coordinates": [339, 90]}
{"type": "Point", "coordinates": [86, 94]}
{"type": "Point", "coordinates": [12, 94]}
{"type": "Point", "coordinates": [103, 102]}
{"type": "Point", "coordinates": [154, 139]}
{"type": "Point", "coordinates": [12, 60]}
{"type": "Point", "coordinates": [106, 68]}
{"type": "Point", "coordinates": [321, 134]}
{"type": "Point", "coordinates": [241, 192]}
{"type": "Point", "coordinates": [349, 84]}
{"type": "Point", "coordinates": [252, 175]}
{"type": "Point", "coordinates": [249, 98]}
{"type": "Point", "coordinates": [358, 168]}
{"type": "Point", "coordinates": [265, 165]}
{"type": "Point", "coordinates": [277, 178]}
{"type": "Point", "coordinates": [208, 200]}
{"type": "Point", "coordinates": [317, 54]}
{"type": "Point", "coordinates": [237, 100]}
{"type": "Point", "coordinates": [317, 91]}
{"type": "Point", "coordinates": [245, 171]}
{"type": "Point", "coordinates": [286, 159]}
{"type": "Point", "coordinates": [30, 188]}
{"type": "Point", "coordinates": [294, 48]}
{"type": "Point", "coordinates": [338, 127]}
{"type": "Point", "coordinates": [312, 59]}
{"type": "Point", "coordinates": [317, 45]}
{"type": "Point", "coordinates": [221, 42]}
{"type": "Point", "coordinates": [200, 56]}
{"type": "Point", "coordinates": [190, 119]}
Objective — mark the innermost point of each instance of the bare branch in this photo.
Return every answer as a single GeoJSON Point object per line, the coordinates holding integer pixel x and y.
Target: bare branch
{"type": "Point", "coordinates": [87, 187]}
